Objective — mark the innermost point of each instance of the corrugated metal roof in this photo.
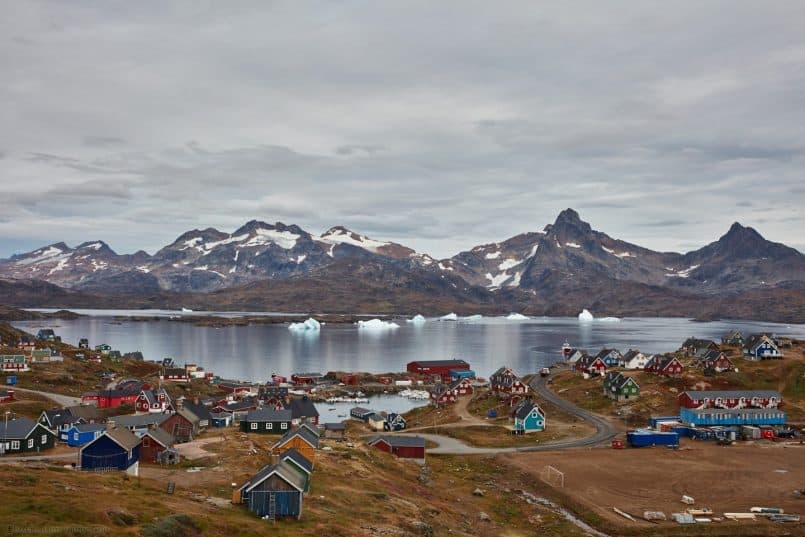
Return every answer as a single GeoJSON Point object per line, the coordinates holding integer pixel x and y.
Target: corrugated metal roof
{"type": "Point", "coordinates": [287, 472]}
{"type": "Point", "coordinates": [268, 415]}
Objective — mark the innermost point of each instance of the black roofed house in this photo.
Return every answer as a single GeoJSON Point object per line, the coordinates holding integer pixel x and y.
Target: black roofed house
{"type": "Point", "coordinates": [46, 334]}
{"type": "Point", "coordinates": [394, 422]}
{"type": "Point", "coordinates": [266, 421]}
{"type": "Point", "coordinates": [334, 431]}
{"type": "Point", "coordinates": [137, 423]}
{"type": "Point", "coordinates": [24, 435]}
{"type": "Point", "coordinates": [715, 361]}
{"type": "Point", "coordinates": [693, 345]}
{"type": "Point", "coordinates": [733, 337]}
{"type": "Point", "coordinates": [611, 357]}
{"type": "Point", "coordinates": [275, 491]}
{"type": "Point", "coordinates": [301, 463]}
{"type": "Point", "coordinates": [505, 381]}
{"type": "Point", "coordinates": [360, 413]}
{"type": "Point", "coordinates": [134, 355]}
{"type": "Point", "coordinates": [573, 357]}
{"type": "Point", "coordinates": [667, 365]}
{"type": "Point", "coordinates": [303, 411]}
{"type": "Point", "coordinates": [406, 447]}
{"type": "Point", "coordinates": [83, 343]}
{"type": "Point", "coordinates": [238, 409]}
{"type": "Point", "coordinates": [619, 387]}
{"type": "Point", "coordinates": [200, 410]}
{"type": "Point", "coordinates": [528, 418]}
{"type": "Point", "coordinates": [58, 420]}
{"type": "Point", "coordinates": [591, 366]}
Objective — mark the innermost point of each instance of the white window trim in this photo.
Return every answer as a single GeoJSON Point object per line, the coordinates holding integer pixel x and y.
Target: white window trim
{"type": "Point", "coordinates": [253, 426]}
{"type": "Point", "coordinates": [284, 425]}
{"type": "Point", "coordinates": [15, 444]}
{"type": "Point", "coordinates": [30, 443]}
{"type": "Point", "coordinates": [44, 439]}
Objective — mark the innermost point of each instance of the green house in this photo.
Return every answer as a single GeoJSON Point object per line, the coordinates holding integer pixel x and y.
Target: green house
{"type": "Point", "coordinates": [301, 463]}
{"type": "Point", "coordinates": [619, 387]}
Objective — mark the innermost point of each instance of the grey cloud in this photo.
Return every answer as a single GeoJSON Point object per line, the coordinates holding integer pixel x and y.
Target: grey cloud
{"type": "Point", "coordinates": [102, 141]}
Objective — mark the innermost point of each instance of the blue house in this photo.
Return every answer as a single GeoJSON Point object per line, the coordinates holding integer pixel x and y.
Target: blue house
{"type": "Point", "coordinates": [732, 416]}
{"type": "Point", "coordinates": [115, 449]}
{"type": "Point", "coordinates": [761, 347]}
{"type": "Point", "coordinates": [610, 357]}
{"type": "Point", "coordinates": [458, 374]}
{"type": "Point", "coordinates": [275, 491]}
{"type": "Point", "coordinates": [529, 418]}
{"type": "Point", "coordinates": [81, 433]}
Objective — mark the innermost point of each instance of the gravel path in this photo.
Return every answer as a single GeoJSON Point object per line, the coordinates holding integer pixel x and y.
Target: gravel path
{"type": "Point", "coordinates": [62, 400]}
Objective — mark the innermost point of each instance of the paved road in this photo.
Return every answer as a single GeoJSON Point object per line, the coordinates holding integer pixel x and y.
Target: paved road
{"type": "Point", "coordinates": [604, 431]}
{"type": "Point", "coordinates": [62, 400]}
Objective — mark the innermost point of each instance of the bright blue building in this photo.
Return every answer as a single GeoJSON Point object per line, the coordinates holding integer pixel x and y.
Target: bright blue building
{"type": "Point", "coordinates": [732, 416]}
{"type": "Point", "coordinates": [81, 433]}
{"type": "Point", "coordinates": [529, 418]}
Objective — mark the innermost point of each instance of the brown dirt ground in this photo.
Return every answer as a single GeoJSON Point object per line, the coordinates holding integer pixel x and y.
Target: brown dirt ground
{"type": "Point", "coordinates": [726, 479]}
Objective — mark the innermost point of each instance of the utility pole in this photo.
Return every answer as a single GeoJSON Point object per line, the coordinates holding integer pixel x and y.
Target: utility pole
{"type": "Point", "coordinates": [5, 434]}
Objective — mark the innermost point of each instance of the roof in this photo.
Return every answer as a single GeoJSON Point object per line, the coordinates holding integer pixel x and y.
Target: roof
{"type": "Point", "coordinates": [85, 412]}
{"type": "Point", "coordinates": [199, 410]}
{"type": "Point", "coordinates": [60, 416]}
{"type": "Point", "coordinates": [299, 459]}
{"type": "Point", "coordinates": [631, 353]}
{"type": "Point", "coordinates": [303, 408]}
{"type": "Point", "coordinates": [524, 410]}
{"type": "Point", "coordinates": [17, 428]}
{"type": "Point", "coordinates": [123, 437]}
{"type": "Point", "coordinates": [162, 436]}
{"type": "Point", "coordinates": [439, 363]}
{"type": "Point", "coordinates": [287, 472]}
{"type": "Point", "coordinates": [605, 352]}
{"type": "Point", "coordinates": [619, 380]}
{"type": "Point", "coordinates": [189, 416]}
{"type": "Point", "coordinates": [398, 441]}
{"type": "Point", "coordinates": [140, 420]}
{"type": "Point", "coordinates": [268, 414]}
{"type": "Point", "coordinates": [374, 416]}
{"type": "Point", "coordinates": [711, 411]}
{"type": "Point", "coordinates": [306, 435]}
{"type": "Point", "coordinates": [245, 404]}
{"type": "Point", "coordinates": [733, 394]}
{"type": "Point", "coordinates": [360, 411]}
{"type": "Point", "coordinates": [335, 426]}
{"type": "Point", "coordinates": [220, 415]}
{"type": "Point", "coordinates": [89, 427]}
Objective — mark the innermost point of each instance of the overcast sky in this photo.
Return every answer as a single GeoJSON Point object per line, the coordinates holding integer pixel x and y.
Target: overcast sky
{"type": "Point", "coordinates": [440, 125]}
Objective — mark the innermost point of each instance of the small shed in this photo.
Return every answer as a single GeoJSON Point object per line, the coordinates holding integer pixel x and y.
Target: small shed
{"type": "Point", "coordinates": [334, 430]}
{"type": "Point", "coordinates": [302, 439]}
{"type": "Point", "coordinates": [156, 443]}
{"type": "Point", "coordinates": [301, 463]}
{"type": "Point", "coordinates": [405, 447]}
{"type": "Point", "coordinates": [275, 491]}
{"type": "Point", "coordinates": [220, 419]}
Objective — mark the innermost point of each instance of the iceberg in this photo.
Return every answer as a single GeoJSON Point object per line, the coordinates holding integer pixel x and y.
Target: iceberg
{"type": "Point", "coordinates": [472, 318]}
{"type": "Point", "coordinates": [516, 317]}
{"type": "Point", "coordinates": [417, 319]}
{"type": "Point", "coordinates": [586, 316]}
{"type": "Point", "coordinates": [609, 320]}
{"type": "Point", "coordinates": [311, 325]}
{"type": "Point", "coordinates": [377, 324]}
{"type": "Point", "coordinates": [449, 317]}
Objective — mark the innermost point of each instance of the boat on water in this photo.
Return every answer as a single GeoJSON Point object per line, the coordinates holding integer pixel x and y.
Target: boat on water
{"type": "Point", "coordinates": [331, 400]}
{"type": "Point", "coordinates": [566, 349]}
{"type": "Point", "coordinates": [415, 394]}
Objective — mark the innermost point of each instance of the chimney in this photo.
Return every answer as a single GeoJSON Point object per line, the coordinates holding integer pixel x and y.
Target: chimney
{"type": "Point", "coordinates": [110, 425]}
{"type": "Point", "coordinates": [273, 459]}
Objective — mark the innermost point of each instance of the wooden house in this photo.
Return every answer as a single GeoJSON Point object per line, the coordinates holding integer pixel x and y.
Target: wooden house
{"type": "Point", "coordinates": [441, 394]}
{"type": "Point", "coordinates": [620, 387]}
{"type": "Point", "coordinates": [394, 422]}
{"type": "Point", "coordinates": [504, 382]}
{"type": "Point", "coordinates": [238, 409]}
{"type": "Point", "coordinates": [529, 418]}
{"type": "Point", "coordinates": [241, 389]}
{"type": "Point", "coordinates": [275, 491]}
{"type": "Point", "coordinates": [116, 449]}
{"type": "Point", "coordinates": [303, 411]}
{"type": "Point", "coordinates": [220, 419]}
{"type": "Point", "coordinates": [174, 374]}
{"type": "Point", "coordinates": [730, 399]}
{"type": "Point", "coordinates": [273, 396]}
{"type": "Point", "coordinates": [266, 421]}
{"type": "Point", "coordinates": [307, 379]}
{"type": "Point", "coordinates": [334, 430]}
{"type": "Point", "coordinates": [46, 334]}
{"type": "Point", "coordinates": [761, 347]}
{"type": "Point", "coordinates": [111, 398]}
{"type": "Point", "coordinates": [58, 420]}
{"type": "Point", "coordinates": [406, 447]}
{"type": "Point", "coordinates": [376, 421]}
{"type": "Point", "coordinates": [14, 363]}
{"type": "Point", "coordinates": [610, 357]}
{"type": "Point", "coordinates": [733, 337]}
{"type": "Point", "coordinates": [201, 411]}
{"type": "Point", "coordinates": [633, 359]}
{"type": "Point", "coordinates": [24, 435]}
{"type": "Point", "coordinates": [83, 343]}
{"type": "Point", "coordinates": [158, 447]}
{"type": "Point", "coordinates": [461, 386]}
{"type": "Point", "coordinates": [668, 366]}
{"type": "Point", "coordinates": [154, 401]}
{"type": "Point", "coordinates": [591, 366]}
{"type": "Point", "coordinates": [103, 349]}
{"type": "Point", "coordinates": [81, 433]}
{"type": "Point", "coordinates": [302, 464]}
{"type": "Point", "coordinates": [693, 345]}
{"type": "Point", "coordinates": [302, 440]}
{"type": "Point", "coordinates": [183, 425]}
{"type": "Point", "coordinates": [715, 361]}
{"type": "Point", "coordinates": [573, 356]}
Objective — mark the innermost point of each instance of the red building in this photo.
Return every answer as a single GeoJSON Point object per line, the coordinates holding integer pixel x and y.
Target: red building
{"type": "Point", "coordinates": [154, 401]}
{"type": "Point", "coordinates": [307, 379]}
{"type": "Point", "coordinates": [461, 387]}
{"type": "Point", "coordinates": [180, 426]}
{"type": "Point", "coordinates": [6, 395]}
{"type": "Point", "coordinates": [664, 365]}
{"type": "Point", "coordinates": [437, 367]}
{"type": "Point", "coordinates": [441, 394]}
{"type": "Point", "coordinates": [406, 447]}
{"type": "Point", "coordinates": [154, 442]}
{"type": "Point", "coordinates": [110, 398]}
{"type": "Point", "coordinates": [730, 399]}
{"type": "Point", "coordinates": [505, 381]}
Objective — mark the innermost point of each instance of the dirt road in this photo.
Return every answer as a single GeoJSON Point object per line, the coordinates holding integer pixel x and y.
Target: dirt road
{"type": "Point", "coordinates": [62, 400]}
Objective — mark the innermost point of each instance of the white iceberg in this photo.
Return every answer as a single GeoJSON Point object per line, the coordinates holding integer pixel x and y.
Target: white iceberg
{"type": "Point", "coordinates": [311, 325]}
{"type": "Point", "coordinates": [472, 318]}
{"type": "Point", "coordinates": [609, 320]}
{"type": "Point", "coordinates": [586, 316]}
{"type": "Point", "coordinates": [417, 319]}
{"type": "Point", "coordinates": [377, 324]}
{"type": "Point", "coordinates": [449, 317]}
{"type": "Point", "coordinates": [516, 317]}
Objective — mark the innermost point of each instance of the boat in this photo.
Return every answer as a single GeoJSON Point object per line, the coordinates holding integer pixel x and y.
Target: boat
{"type": "Point", "coordinates": [566, 349]}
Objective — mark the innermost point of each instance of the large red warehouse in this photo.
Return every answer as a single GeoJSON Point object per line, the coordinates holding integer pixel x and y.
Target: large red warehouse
{"type": "Point", "coordinates": [437, 367]}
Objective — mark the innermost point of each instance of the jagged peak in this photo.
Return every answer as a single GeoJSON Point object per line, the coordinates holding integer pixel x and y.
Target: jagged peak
{"type": "Point", "coordinates": [569, 224]}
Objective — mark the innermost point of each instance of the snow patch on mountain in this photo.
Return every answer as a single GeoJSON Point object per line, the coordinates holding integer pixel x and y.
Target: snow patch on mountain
{"type": "Point", "coordinates": [263, 237]}
{"type": "Point", "coordinates": [144, 268]}
{"type": "Point", "coordinates": [60, 266]}
{"type": "Point", "coordinates": [572, 245]}
{"type": "Point", "coordinates": [683, 273]}
{"type": "Point", "coordinates": [497, 280]}
{"type": "Point", "coordinates": [516, 280]}
{"type": "Point", "coordinates": [493, 255]}
{"type": "Point", "coordinates": [509, 263]}
{"type": "Point", "coordinates": [208, 247]}
{"type": "Point", "coordinates": [300, 258]}
{"type": "Point", "coordinates": [533, 251]}
{"type": "Point", "coordinates": [340, 235]}
{"type": "Point", "coordinates": [619, 254]}
{"type": "Point", "coordinates": [44, 254]}
{"type": "Point", "coordinates": [93, 246]}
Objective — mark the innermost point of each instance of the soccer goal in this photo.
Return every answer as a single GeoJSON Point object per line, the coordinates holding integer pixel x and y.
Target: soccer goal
{"type": "Point", "coordinates": [552, 476]}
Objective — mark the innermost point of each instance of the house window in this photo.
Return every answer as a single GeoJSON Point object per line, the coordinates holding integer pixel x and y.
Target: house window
{"type": "Point", "coordinates": [146, 442]}
{"type": "Point", "coordinates": [284, 425]}
{"type": "Point", "coordinates": [269, 426]}
{"type": "Point", "coordinates": [253, 426]}
{"type": "Point", "coordinates": [75, 436]}
{"type": "Point", "coordinates": [30, 443]}
{"type": "Point", "coordinates": [15, 444]}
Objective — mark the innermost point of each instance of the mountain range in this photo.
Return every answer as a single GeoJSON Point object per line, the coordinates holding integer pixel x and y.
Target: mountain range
{"type": "Point", "coordinates": [558, 270]}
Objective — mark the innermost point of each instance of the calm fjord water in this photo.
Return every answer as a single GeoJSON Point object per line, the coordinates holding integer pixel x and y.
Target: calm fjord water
{"type": "Point", "coordinates": [254, 352]}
